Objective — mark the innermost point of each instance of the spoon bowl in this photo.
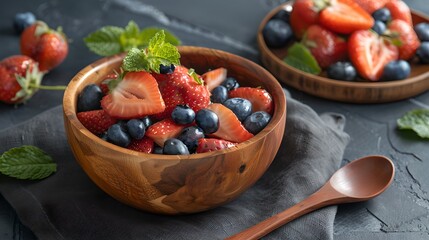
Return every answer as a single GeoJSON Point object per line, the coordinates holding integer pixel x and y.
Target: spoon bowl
{"type": "Point", "coordinates": [360, 180]}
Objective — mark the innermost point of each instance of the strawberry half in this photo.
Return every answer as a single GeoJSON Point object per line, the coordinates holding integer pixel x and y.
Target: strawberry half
{"type": "Point", "coordinates": [345, 16]}
{"type": "Point", "coordinates": [212, 144]}
{"type": "Point", "coordinates": [136, 96]}
{"type": "Point", "coordinates": [407, 36]}
{"type": "Point", "coordinates": [400, 10]}
{"type": "Point", "coordinates": [96, 121]}
{"type": "Point", "coordinates": [369, 53]}
{"type": "Point", "coordinates": [261, 100]}
{"type": "Point", "coordinates": [214, 78]}
{"type": "Point", "coordinates": [163, 130]}
{"type": "Point", "coordinates": [325, 46]}
{"type": "Point", "coordinates": [230, 128]}
{"type": "Point", "coordinates": [145, 145]}
{"type": "Point", "coordinates": [371, 6]}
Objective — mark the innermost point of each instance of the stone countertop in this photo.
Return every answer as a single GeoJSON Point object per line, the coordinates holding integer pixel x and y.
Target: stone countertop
{"type": "Point", "coordinates": [399, 213]}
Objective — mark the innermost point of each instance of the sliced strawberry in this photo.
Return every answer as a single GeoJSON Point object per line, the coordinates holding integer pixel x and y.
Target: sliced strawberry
{"type": "Point", "coordinates": [326, 46]}
{"type": "Point", "coordinates": [163, 130]}
{"type": "Point", "coordinates": [369, 53]}
{"type": "Point", "coordinates": [407, 36]}
{"type": "Point", "coordinates": [230, 128]}
{"type": "Point", "coordinates": [370, 5]}
{"type": "Point", "coordinates": [136, 96]}
{"type": "Point", "coordinates": [345, 16]}
{"type": "Point", "coordinates": [104, 85]}
{"type": "Point", "coordinates": [145, 145]}
{"type": "Point", "coordinates": [400, 10]}
{"type": "Point", "coordinates": [214, 78]}
{"type": "Point", "coordinates": [213, 144]}
{"type": "Point", "coordinates": [261, 100]}
{"type": "Point", "coordinates": [96, 121]}
{"type": "Point", "coordinates": [304, 14]}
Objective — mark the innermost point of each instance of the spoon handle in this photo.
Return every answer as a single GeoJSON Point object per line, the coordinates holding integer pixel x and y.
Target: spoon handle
{"type": "Point", "coordinates": [319, 199]}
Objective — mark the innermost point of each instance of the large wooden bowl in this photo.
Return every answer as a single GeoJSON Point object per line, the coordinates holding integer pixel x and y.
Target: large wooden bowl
{"type": "Point", "coordinates": [173, 184]}
{"type": "Point", "coordinates": [354, 92]}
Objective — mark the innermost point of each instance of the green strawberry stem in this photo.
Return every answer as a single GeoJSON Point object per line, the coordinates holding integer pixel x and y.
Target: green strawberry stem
{"type": "Point", "coordinates": [42, 87]}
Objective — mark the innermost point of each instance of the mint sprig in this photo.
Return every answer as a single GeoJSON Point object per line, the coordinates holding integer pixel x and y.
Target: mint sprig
{"type": "Point", "coordinates": [416, 120]}
{"type": "Point", "coordinates": [300, 57]}
{"type": "Point", "coordinates": [111, 40]}
{"type": "Point", "coordinates": [149, 59]}
{"type": "Point", "coordinates": [27, 162]}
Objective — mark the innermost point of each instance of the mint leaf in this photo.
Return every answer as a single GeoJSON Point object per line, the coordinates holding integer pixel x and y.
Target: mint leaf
{"type": "Point", "coordinates": [298, 56]}
{"type": "Point", "coordinates": [416, 120]}
{"type": "Point", "coordinates": [105, 41]}
{"type": "Point", "coordinates": [131, 37]}
{"type": "Point", "coordinates": [27, 162]}
{"type": "Point", "coordinates": [158, 52]}
{"type": "Point", "coordinates": [195, 76]}
{"type": "Point", "coordinates": [147, 33]}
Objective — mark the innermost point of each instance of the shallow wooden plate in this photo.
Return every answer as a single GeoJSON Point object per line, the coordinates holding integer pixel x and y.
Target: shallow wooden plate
{"type": "Point", "coordinates": [354, 92]}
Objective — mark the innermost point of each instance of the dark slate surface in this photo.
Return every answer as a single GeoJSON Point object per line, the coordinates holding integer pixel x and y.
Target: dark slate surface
{"type": "Point", "coordinates": [399, 213]}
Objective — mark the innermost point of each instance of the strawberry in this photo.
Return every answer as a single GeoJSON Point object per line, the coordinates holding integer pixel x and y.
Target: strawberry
{"type": "Point", "coordinates": [261, 100]}
{"type": "Point", "coordinates": [19, 79]}
{"type": "Point", "coordinates": [407, 37]}
{"type": "Point", "coordinates": [230, 128]}
{"type": "Point", "coordinates": [163, 78]}
{"type": "Point", "coordinates": [399, 10]}
{"type": "Point", "coordinates": [96, 121]}
{"type": "Point", "coordinates": [145, 145]}
{"type": "Point", "coordinates": [326, 46]}
{"type": "Point", "coordinates": [136, 96]}
{"type": "Point", "coordinates": [104, 85]}
{"type": "Point", "coordinates": [163, 130]}
{"type": "Point", "coordinates": [303, 15]}
{"type": "Point", "coordinates": [48, 47]}
{"type": "Point", "coordinates": [345, 16]}
{"type": "Point", "coordinates": [212, 144]}
{"type": "Point", "coordinates": [214, 78]}
{"type": "Point", "coordinates": [371, 6]}
{"type": "Point", "coordinates": [181, 89]}
{"type": "Point", "coordinates": [369, 53]}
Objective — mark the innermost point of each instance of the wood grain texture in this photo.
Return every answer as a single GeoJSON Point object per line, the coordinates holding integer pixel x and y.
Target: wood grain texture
{"type": "Point", "coordinates": [177, 184]}
{"type": "Point", "coordinates": [354, 92]}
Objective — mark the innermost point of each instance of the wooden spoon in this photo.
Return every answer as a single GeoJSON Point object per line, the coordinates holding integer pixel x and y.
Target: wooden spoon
{"type": "Point", "coordinates": [357, 181]}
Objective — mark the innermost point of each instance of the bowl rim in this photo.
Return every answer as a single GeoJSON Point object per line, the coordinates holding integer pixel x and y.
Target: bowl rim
{"type": "Point", "coordinates": [70, 115]}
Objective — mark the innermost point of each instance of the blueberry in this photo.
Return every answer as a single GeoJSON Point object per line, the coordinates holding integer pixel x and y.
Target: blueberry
{"type": "Point", "coordinates": [342, 71]}
{"type": "Point", "coordinates": [104, 136]}
{"type": "Point", "coordinates": [174, 146]}
{"type": "Point", "coordinates": [118, 136]}
{"type": "Point", "coordinates": [282, 15]}
{"type": "Point", "coordinates": [166, 69]}
{"type": "Point", "coordinates": [146, 121]}
{"type": "Point", "coordinates": [183, 114]}
{"type": "Point", "coordinates": [241, 107]}
{"type": "Point", "coordinates": [257, 121]}
{"type": "Point", "coordinates": [379, 27]}
{"type": "Point", "coordinates": [422, 31]}
{"type": "Point", "coordinates": [207, 120]}
{"type": "Point", "coordinates": [189, 136]}
{"type": "Point", "coordinates": [157, 150]}
{"type": "Point", "coordinates": [89, 99]}
{"type": "Point", "coordinates": [277, 33]}
{"type": "Point", "coordinates": [136, 128]}
{"type": "Point", "coordinates": [396, 70]}
{"type": "Point", "coordinates": [230, 83]}
{"type": "Point", "coordinates": [423, 52]}
{"type": "Point", "coordinates": [382, 14]}
{"type": "Point", "coordinates": [22, 21]}
{"type": "Point", "coordinates": [219, 94]}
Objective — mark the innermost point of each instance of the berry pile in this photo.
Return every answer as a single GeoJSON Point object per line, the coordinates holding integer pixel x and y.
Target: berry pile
{"type": "Point", "coordinates": [174, 111]}
{"type": "Point", "coordinates": [353, 40]}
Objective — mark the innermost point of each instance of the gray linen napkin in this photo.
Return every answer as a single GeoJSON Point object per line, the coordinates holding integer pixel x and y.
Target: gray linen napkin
{"type": "Point", "coordinates": [68, 205]}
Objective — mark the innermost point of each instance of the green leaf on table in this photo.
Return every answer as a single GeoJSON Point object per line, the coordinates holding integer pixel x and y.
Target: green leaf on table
{"type": "Point", "coordinates": [158, 52]}
{"type": "Point", "coordinates": [130, 37]}
{"type": "Point", "coordinates": [148, 33]}
{"type": "Point", "coordinates": [416, 120]}
{"type": "Point", "coordinates": [27, 162]}
{"type": "Point", "coordinates": [300, 57]}
{"type": "Point", "coordinates": [105, 41]}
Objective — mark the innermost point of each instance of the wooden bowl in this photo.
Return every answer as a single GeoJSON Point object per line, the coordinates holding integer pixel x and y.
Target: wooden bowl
{"type": "Point", "coordinates": [177, 184]}
{"type": "Point", "coordinates": [354, 92]}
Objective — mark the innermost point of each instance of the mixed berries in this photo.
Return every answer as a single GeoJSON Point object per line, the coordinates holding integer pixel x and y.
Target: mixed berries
{"type": "Point", "coordinates": [353, 40]}
{"type": "Point", "coordinates": [175, 111]}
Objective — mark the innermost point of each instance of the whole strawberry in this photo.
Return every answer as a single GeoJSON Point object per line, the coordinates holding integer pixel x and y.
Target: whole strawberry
{"type": "Point", "coordinates": [46, 46]}
{"type": "Point", "coordinates": [19, 79]}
